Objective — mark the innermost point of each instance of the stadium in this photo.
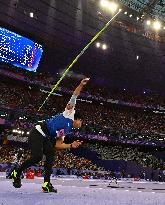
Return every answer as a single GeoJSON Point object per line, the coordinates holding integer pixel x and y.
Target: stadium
{"type": "Point", "coordinates": [82, 102]}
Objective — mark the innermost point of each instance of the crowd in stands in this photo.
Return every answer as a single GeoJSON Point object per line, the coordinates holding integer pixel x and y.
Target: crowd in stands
{"type": "Point", "coordinates": [21, 101]}
{"type": "Point", "coordinates": [8, 154]}
{"type": "Point", "coordinates": [123, 119]}
{"type": "Point", "coordinates": [93, 89]}
{"type": "Point", "coordinates": [63, 159]}
{"type": "Point", "coordinates": [68, 163]}
{"type": "Point", "coordinates": [145, 99]}
{"type": "Point", "coordinates": [126, 153]}
{"type": "Point", "coordinates": [101, 117]}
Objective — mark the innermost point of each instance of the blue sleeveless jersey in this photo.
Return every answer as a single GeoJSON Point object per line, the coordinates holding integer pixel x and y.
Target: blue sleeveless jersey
{"type": "Point", "coordinates": [58, 122]}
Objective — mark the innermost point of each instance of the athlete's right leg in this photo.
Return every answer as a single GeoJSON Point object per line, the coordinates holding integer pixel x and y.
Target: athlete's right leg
{"type": "Point", "coordinates": [36, 146]}
{"type": "Point", "coordinates": [48, 149]}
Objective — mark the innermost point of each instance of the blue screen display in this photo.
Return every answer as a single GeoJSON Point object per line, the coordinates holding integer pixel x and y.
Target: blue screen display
{"type": "Point", "coordinates": [19, 51]}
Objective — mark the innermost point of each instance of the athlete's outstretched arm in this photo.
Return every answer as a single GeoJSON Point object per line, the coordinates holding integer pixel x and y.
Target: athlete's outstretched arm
{"type": "Point", "coordinates": [80, 87]}
{"type": "Point", "coordinates": [76, 93]}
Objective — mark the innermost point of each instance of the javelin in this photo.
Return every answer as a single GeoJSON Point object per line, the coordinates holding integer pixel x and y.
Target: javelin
{"type": "Point", "coordinates": [79, 55]}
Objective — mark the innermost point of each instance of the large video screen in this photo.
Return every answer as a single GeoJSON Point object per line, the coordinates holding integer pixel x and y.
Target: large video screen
{"type": "Point", "coordinates": [19, 51]}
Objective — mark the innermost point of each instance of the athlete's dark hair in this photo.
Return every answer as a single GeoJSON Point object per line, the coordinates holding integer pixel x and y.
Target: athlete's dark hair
{"type": "Point", "coordinates": [77, 115]}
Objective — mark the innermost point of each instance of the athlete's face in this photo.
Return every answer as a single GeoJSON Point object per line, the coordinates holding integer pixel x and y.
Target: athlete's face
{"type": "Point", "coordinates": [77, 123]}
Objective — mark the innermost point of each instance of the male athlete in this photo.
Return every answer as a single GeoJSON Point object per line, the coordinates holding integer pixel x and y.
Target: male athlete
{"type": "Point", "coordinates": [50, 133]}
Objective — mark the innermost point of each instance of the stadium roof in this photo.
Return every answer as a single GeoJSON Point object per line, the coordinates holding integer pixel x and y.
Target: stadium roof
{"type": "Point", "coordinates": [64, 27]}
{"type": "Point", "coordinates": [153, 8]}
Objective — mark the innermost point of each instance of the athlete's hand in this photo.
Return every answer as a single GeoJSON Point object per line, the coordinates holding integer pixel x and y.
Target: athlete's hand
{"type": "Point", "coordinates": [84, 81]}
{"type": "Point", "coordinates": [76, 144]}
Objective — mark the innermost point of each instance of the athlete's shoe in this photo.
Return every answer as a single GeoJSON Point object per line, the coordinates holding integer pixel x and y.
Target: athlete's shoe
{"type": "Point", "coordinates": [48, 187]}
{"type": "Point", "coordinates": [16, 179]}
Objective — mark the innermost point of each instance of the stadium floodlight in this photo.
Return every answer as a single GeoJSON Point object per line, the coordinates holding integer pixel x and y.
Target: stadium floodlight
{"type": "Point", "coordinates": [148, 22]}
{"type": "Point", "coordinates": [125, 12]}
{"type": "Point", "coordinates": [112, 6]}
{"type": "Point", "coordinates": [130, 15]}
{"type": "Point", "coordinates": [164, 27]}
{"type": "Point", "coordinates": [137, 18]}
{"type": "Point", "coordinates": [104, 46]}
{"type": "Point", "coordinates": [137, 57]}
{"type": "Point", "coordinates": [98, 45]}
{"type": "Point", "coordinates": [31, 14]}
{"type": "Point", "coordinates": [27, 133]}
{"type": "Point", "coordinates": [157, 25]}
{"type": "Point", "coordinates": [104, 3]}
